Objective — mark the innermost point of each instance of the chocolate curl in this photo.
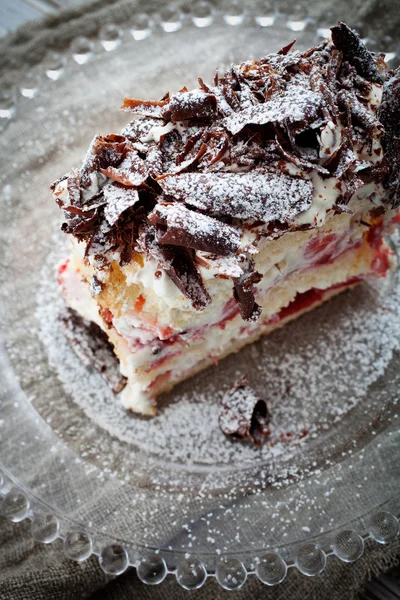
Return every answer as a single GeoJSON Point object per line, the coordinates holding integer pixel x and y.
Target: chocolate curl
{"type": "Point", "coordinates": [92, 347]}
{"type": "Point", "coordinates": [360, 113]}
{"type": "Point", "coordinates": [186, 277]}
{"type": "Point", "coordinates": [244, 414]}
{"type": "Point", "coordinates": [151, 108]}
{"type": "Point", "coordinates": [191, 105]}
{"type": "Point", "coordinates": [354, 51]}
{"type": "Point", "coordinates": [74, 191]}
{"type": "Point", "coordinates": [243, 292]}
{"type": "Point", "coordinates": [118, 200]}
{"type": "Point", "coordinates": [179, 264]}
{"type": "Point", "coordinates": [389, 115]}
{"type": "Point", "coordinates": [132, 171]}
{"type": "Point", "coordinates": [283, 51]}
{"type": "Point", "coordinates": [180, 226]}
{"type": "Point", "coordinates": [104, 151]}
{"type": "Point", "coordinates": [256, 195]}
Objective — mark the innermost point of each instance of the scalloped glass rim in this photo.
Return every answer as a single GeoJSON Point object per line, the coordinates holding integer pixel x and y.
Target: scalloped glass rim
{"type": "Point", "coordinates": [98, 540]}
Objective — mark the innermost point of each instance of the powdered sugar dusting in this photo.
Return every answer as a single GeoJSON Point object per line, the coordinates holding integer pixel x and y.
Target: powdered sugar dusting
{"type": "Point", "coordinates": [311, 373]}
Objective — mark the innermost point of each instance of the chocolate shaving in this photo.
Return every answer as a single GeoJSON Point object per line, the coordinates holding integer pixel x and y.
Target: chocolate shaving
{"type": "Point", "coordinates": [216, 146]}
{"type": "Point", "coordinates": [82, 225]}
{"type": "Point", "coordinates": [298, 160]}
{"type": "Point", "coordinates": [104, 151]}
{"type": "Point", "coordinates": [131, 171]}
{"type": "Point", "coordinates": [96, 286]}
{"type": "Point", "coordinates": [349, 43]}
{"type": "Point", "coordinates": [296, 104]}
{"type": "Point", "coordinates": [154, 162]}
{"type": "Point", "coordinates": [118, 199]}
{"type": "Point", "coordinates": [353, 184]}
{"type": "Point", "coordinates": [180, 226]}
{"type": "Point", "coordinates": [191, 105]}
{"type": "Point", "coordinates": [286, 49]}
{"type": "Point", "coordinates": [360, 114]}
{"type": "Point", "coordinates": [146, 108]}
{"type": "Point", "coordinates": [186, 277]}
{"type": "Point", "coordinates": [179, 264]}
{"type": "Point", "coordinates": [257, 195]}
{"type": "Point", "coordinates": [92, 347]}
{"type": "Point", "coordinates": [243, 292]}
{"type": "Point", "coordinates": [73, 187]}
{"type": "Point", "coordinates": [389, 115]}
{"type": "Point", "coordinates": [243, 414]}
{"type": "Point", "coordinates": [341, 160]}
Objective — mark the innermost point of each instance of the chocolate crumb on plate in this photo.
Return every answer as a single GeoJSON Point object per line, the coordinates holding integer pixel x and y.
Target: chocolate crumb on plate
{"type": "Point", "coordinates": [243, 414]}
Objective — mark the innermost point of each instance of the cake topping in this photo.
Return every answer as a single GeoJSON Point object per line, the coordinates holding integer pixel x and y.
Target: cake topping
{"type": "Point", "coordinates": [297, 104]}
{"type": "Point", "coordinates": [360, 113]}
{"type": "Point", "coordinates": [91, 345]}
{"type": "Point", "coordinates": [179, 226]}
{"type": "Point", "coordinates": [104, 151]}
{"type": "Point", "coordinates": [259, 147]}
{"type": "Point", "coordinates": [257, 195]}
{"type": "Point", "coordinates": [191, 105]}
{"type": "Point", "coordinates": [243, 414]}
{"type": "Point", "coordinates": [131, 171]}
{"type": "Point", "coordinates": [243, 291]}
{"type": "Point", "coordinates": [354, 51]}
{"type": "Point", "coordinates": [145, 108]}
{"type": "Point", "coordinates": [179, 264]}
{"type": "Point", "coordinates": [118, 198]}
{"type": "Point", "coordinates": [388, 114]}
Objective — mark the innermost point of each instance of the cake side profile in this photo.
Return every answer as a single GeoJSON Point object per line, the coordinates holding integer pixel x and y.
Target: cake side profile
{"type": "Point", "coordinates": [221, 213]}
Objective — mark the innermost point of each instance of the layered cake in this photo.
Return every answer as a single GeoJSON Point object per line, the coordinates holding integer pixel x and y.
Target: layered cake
{"type": "Point", "coordinates": [221, 213]}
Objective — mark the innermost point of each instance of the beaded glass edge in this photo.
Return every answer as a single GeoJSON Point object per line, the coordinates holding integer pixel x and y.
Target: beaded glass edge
{"type": "Point", "coordinates": [191, 571]}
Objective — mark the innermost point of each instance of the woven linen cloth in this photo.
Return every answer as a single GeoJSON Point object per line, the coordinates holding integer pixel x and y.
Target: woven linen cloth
{"type": "Point", "coordinates": [30, 571]}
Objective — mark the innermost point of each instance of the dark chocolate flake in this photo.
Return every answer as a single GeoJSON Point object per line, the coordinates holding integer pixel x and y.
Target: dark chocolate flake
{"type": "Point", "coordinates": [183, 227]}
{"type": "Point", "coordinates": [354, 51]}
{"type": "Point", "coordinates": [92, 347]}
{"type": "Point", "coordinates": [179, 264]}
{"type": "Point", "coordinates": [296, 104]}
{"type": "Point", "coordinates": [389, 115]}
{"type": "Point", "coordinates": [256, 195]}
{"type": "Point", "coordinates": [243, 414]}
{"type": "Point", "coordinates": [96, 286]}
{"type": "Point", "coordinates": [192, 105]}
{"type": "Point", "coordinates": [104, 151]}
{"type": "Point", "coordinates": [73, 187]}
{"type": "Point", "coordinates": [361, 115]}
{"type": "Point", "coordinates": [131, 171]}
{"type": "Point", "coordinates": [243, 292]}
{"type": "Point", "coordinates": [186, 277]}
{"type": "Point", "coordinates": [150, 108]}
{"type": "Point", "coordinates": [118, 199]}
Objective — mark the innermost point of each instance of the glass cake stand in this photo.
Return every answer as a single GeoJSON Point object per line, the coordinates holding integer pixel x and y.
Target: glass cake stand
{"type": "Point", "coordinates": [172, 494]}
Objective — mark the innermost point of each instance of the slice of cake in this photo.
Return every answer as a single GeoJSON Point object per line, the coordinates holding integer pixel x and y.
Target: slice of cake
{"type": "Point", "coordinates": [221, 213]}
